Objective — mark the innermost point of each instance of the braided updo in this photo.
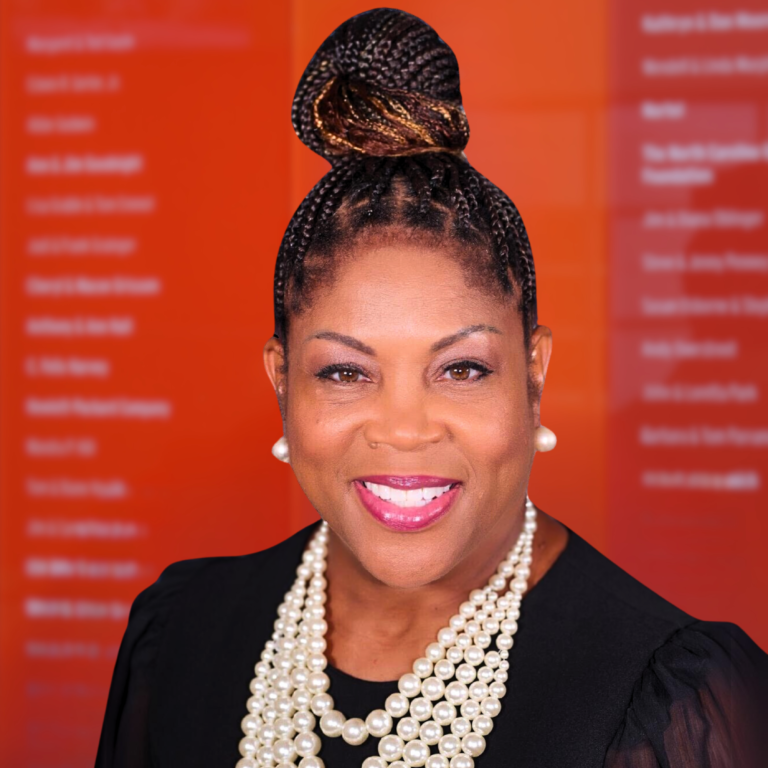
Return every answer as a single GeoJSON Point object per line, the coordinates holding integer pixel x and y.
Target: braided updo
{"type": "Point", "coordinates": [381, 101]}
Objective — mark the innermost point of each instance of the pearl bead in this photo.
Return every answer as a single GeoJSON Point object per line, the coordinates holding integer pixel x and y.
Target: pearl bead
{"type": "Point", "coordinates": [436, 761]}
{"type": "Point", "coordinates": [444, 669]}
{"type": "Point", "coordinates": [246, 762]}
{"type": "Point", "coordinates": [248, 746]}
{"type": "Point", "coordinates": [434, 652]}
{"type": "Point", "coordinates": [332, 722]}
{"type": "Point", "coordinates": [318, 682]}
{"type": "Point", "coordinates": [477, 596]}
{"type": "Point", "coordinates": [321, 703]}
{"type": "Point", "coordinates": [470, 709]}
{"type": "Point", "coordinates": [374, 762]}
{"type": "Point", "coordinates": [391, 747]}
{"type": "Point", "coordinates": [421, 708]}
{"type": "Point", "coordinates": [430, 732]}
{"type": "Point", "coordinates": [457, 622]}
{"type": "Point", "coordinates": [449, 745]}
{"type": "Point", "coordinates": [478, 690]}
{"type": "Point", "coordinates": [398, 764]}
{"type": "Point", "coordinates": [267, 733]}
{"type": "Point", "coordinates": [508, 626]}
{"type": "Point", "coordinates": [485, 674]}
{"type": "Point", "coordinates": [503, 642]}
{"type": "Point", "coordinates": [396, 704]}
{"type": "Point", "coordinates": [307, 744]}
{"type": "Point", "coordinates": [303, 721]}
{"type": "Point", "coordinates": [251, 724]}
{"type": "Point", "coordinates": [454, 654]}
{"type": "Point", "coordinates": [284, 750]}
{"type": "Point", "coordinates": [409, 685]}
{"type": "Point", "coordinates": [456, 692]}
{"type": "Point", "coordinates": [422, 667]}
{"type": "Point", "coordinates": [446, 636]}
{"type": "Point", "coordinates": [473, 744]}
{"type": "Point", "coordinates": [482, 724]}
{"type": "Point", "coordinates": [378, 723]}
{"type": "Point", "coordinates": [461, 727]}
{"type": "Point", "coordinates": [284, 728]}
{"type": "Point", "coordinates": [474, 655]}
{"type": "Point", "coordinates": [300, 675]}
{"type": "Point", "coordinates": [462, 761]}
{"type": "Point", "coordinates": [490, 706]}
{"type": "Point", "coordinates": [415, 753]}
{"type": "Point", "coordinates": [354, 731]}
{"type": "Point", "coordinates": [443, 712]}
{"type": "Point", "coordinates": [311, 762]}
{"type": "Point", "coordinates": [432, 688]}
{"type": "Point", "coordinates": [408, 728]}
{"type": "Point", "coordinates": [465, 673]}
{"type": "Point", "coordinates": [301, 700]}
{"type": "Point", "coordinates": [497, 690]}
{"type": "Point", "coordinates": [265, 756]}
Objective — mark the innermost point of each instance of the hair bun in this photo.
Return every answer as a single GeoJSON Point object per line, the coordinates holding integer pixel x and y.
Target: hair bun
{"type": "Point", "coordinates": [382, 84]}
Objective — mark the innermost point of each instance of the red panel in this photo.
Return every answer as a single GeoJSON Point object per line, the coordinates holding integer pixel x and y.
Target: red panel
{"type": "Point", "coordinates": [144, 197]}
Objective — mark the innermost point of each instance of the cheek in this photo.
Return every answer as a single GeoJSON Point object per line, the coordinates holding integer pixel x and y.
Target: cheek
{"type": "Point", "coordinates": [321, 434]}
{"type": "Point", "coordinates": [497, 440]}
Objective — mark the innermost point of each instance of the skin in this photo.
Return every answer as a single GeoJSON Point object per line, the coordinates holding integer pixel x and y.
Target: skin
{"type": "Point", "coordinates": [401, 408]}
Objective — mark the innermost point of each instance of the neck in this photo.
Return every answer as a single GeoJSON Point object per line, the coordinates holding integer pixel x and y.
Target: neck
{"type": "Point", "coordinates": [376, 630]}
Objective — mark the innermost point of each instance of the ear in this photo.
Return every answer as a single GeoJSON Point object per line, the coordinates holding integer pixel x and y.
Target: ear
{"type": "Point", "coordinates": [538, 362]}
{"type": "Point", "coordinates": [275, 365]}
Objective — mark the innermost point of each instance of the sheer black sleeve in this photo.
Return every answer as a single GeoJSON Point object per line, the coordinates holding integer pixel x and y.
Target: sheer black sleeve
{"type": "Point", "coordinates": [702, 702]}
{"type": "Point", "coordinates": [124, 741]}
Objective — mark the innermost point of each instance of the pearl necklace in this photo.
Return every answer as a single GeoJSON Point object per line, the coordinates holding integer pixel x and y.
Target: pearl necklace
{"type": "Point", "coordinates": [448, 701]}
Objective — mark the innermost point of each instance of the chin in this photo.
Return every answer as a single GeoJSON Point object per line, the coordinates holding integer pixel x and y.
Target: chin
{"type": "Point", "coordinates": [409, 560]}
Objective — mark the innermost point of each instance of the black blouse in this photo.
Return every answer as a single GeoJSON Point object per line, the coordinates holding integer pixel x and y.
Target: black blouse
{"type": "Point", "coordinates": [604, 672]}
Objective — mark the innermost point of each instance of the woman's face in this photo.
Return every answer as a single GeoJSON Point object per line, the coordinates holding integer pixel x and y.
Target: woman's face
{"type": "Point", "coordinates": [405, 383]}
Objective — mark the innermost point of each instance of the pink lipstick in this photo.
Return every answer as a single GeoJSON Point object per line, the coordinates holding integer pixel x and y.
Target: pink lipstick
{"type": "Point", "coordinates": [407, 502]}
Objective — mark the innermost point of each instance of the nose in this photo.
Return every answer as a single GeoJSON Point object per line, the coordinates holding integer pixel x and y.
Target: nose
{"type": "Point", "coordinates": [404, 422]}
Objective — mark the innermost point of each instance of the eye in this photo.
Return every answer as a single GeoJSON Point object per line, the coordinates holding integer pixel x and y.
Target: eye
{"type": "Point", "coordinates": [342, 374]}
{"type": "Point", "coordinates": [465, 370]}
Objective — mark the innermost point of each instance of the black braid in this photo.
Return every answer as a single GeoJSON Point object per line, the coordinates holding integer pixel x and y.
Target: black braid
{"type": "Point", "coordinates": [405, 171]}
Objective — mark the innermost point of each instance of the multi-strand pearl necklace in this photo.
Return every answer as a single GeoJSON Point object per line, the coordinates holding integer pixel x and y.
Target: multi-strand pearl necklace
{"type": "Point", "coordinates": [448, 701]}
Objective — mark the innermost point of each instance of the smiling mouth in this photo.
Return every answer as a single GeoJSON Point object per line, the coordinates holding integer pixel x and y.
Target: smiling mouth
{"type": "Point", "coordinates": [407, 503]}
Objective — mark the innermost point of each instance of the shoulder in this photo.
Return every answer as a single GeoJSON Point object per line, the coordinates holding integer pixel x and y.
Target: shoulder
{"type": "Point", "coordinates": [692, 689]}
{"type": "Point", "coordinates": [594, 596]}
{"type": "Point", "coordinates": [699, 700]}
{"type": "Point", "coordinates": [205, 579]}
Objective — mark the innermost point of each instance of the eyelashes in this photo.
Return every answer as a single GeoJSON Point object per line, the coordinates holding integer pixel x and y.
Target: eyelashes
{"type": "Point", "coordinates": [349, 373]}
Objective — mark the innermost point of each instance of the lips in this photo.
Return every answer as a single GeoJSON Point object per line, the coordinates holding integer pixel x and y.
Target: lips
{"type": "Point", "coordinates": [407, 502]}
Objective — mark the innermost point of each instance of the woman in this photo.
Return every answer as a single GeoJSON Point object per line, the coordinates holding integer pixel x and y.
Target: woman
{"type": "Point", "coordinates": [433, 616]}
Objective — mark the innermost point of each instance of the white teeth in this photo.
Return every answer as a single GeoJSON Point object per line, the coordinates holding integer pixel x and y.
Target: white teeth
{"type": "Point", "coordinates": [414, 497]}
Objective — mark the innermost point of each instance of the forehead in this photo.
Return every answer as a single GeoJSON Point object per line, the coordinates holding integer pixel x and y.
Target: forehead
{"type": "Point", "coordinates": [402, 290]}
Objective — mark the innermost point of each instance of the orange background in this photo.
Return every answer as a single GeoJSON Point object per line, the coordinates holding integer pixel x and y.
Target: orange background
{"type": "Point", "coordinates": [206, 99]}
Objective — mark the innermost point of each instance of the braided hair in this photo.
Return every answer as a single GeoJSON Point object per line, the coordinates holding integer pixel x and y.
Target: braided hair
{"type": "Point", "coordinates": [380, 100]}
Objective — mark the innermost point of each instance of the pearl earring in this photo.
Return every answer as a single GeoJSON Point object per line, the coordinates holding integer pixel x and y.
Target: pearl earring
{"type": "Point", "coordinates": [544, 439]}
{"type": "Point", "coordinates": [280, 450]}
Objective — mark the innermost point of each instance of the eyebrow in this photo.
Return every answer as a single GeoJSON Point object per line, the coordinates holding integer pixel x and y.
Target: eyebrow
{"type": "Point", "coordinates": [447, 341]}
